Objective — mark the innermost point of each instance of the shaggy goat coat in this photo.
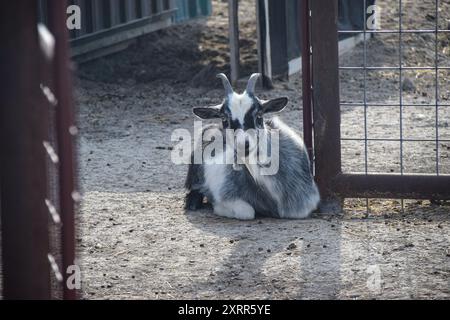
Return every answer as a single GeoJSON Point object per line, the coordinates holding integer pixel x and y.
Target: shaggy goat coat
{"type": "Point", "coordinates": [290, 193]}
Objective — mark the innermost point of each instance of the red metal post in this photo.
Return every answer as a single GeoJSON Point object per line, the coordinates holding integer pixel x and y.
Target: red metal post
{"type": "Point", "coordinates": [327, 117]}
{"type": "Point", "coordinates": [306, 78]}
{"type": "Point", "coordinates": [64, 121]}
{"type": "Point", "coordinates": [23, 128]}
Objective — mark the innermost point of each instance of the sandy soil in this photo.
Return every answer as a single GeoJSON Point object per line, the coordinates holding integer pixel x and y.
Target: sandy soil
{"type": "Point", "coordinates": [136, 241]}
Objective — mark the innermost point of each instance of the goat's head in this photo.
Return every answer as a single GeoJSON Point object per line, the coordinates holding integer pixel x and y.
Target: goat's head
{"type": "Point", "coordinates": [241, 111]}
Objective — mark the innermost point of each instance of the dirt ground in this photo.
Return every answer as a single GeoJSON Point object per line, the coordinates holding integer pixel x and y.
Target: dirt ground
{"type": "Point", "coordinates": [136, 241]}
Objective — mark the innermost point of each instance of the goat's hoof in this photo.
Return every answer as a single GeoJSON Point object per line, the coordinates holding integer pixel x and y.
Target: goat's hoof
{"type": "Point", "coordinates": [194, 201]}
{"type": "Point", "coordinates": [192, 206]}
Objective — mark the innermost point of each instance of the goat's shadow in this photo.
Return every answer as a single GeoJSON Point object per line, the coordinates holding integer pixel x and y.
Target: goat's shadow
{"type": "Point", "coordinates": [267, 255]}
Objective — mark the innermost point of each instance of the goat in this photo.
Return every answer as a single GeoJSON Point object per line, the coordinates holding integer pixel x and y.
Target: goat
{"type": "Point", "coordinates": [240, 190]}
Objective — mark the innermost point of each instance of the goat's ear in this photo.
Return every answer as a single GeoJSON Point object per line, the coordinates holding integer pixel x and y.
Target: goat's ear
{"type": "Point", "coordinates": [274, 105]}
{"type": "Point", "coordinates": [207, 112]}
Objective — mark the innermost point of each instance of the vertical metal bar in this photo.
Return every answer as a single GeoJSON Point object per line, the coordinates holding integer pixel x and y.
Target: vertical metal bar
{"type": "Point", "coordinates": [400, 58]}
{"type": "Point", "coordinates": [325, 71]}
{"type": "Point", "coordinates": [306, 78]}
{"type": "Point", "coordinates": [23, 128]}
{"type": "Point", "coordinates": [365, 95]}
{"type": "Point", "coordinates": [64, 121]}
{"type": "Point", "coordinates": [365, 88]}
{"type": "Point", "coordinates": [436, 84]}
{"type": "Point", "coordinates": [233, 25]}
{"type": "Point", "coordinates": [400, 61]}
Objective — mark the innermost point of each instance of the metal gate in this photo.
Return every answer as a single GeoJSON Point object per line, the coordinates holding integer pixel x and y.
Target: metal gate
{"type": "Point", "coordinates": [36, 162]}
{"type": "Point", "coordinates": [335, 183]}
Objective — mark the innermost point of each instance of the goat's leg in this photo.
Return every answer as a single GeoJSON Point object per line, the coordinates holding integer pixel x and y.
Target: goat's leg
{"type": "Point", "coordinates": [194, 200]}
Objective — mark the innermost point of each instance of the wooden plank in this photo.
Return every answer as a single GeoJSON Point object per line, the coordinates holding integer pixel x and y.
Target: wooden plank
{"type": "Point", "coordinates": [172, 4]}
{"type": "Point", "coordinates": [97, 15]}
{"type": "Point", "coordinates": [130, 10]}
{"type": "Point", "coordinates": [88, 16]}
{"type": "Point", "coordinates": [145, 7]}
{"type": "Point", "coordinates": [153, 7]}
{"type": "Point", "coordinates": [278, 40]}
{"type": "Point", "coordinates": [325, 73]}
{"type": "Point", "coordinates": [159, 6]}
{"type": "Point", "coordinates": [115, 12]}
{"type": "Point", "coordinates": [233, 31]}
{"type": "Point", "coordinates": [138, 6]}
{"type": "Point", "coordinates": [112, 40]}
{"type": "Point", "coordinates": [106, 13]}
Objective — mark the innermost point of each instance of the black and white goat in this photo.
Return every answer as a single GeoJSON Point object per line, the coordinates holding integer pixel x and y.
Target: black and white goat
{"type": "Point", "coordinates": [242, 194]}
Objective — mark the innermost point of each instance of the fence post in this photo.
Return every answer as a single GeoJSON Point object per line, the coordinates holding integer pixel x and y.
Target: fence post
{"type": "Point", "coordinates": [23, 128]}
{"type": "Point", "coordinates": [306, 78]}
{"type": "Point", "coordinates": [65, 130]}
{"type": "Point", "coordinates": [326, 114]}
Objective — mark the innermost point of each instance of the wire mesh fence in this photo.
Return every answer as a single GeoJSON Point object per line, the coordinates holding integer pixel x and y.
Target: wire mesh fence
{"type": "Point", "coordinates": [388, 134]}
{"type": "Point", "coordinates": [399, 105]}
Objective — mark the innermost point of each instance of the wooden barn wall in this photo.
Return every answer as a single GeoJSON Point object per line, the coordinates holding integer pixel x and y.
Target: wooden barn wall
{"type": "Point", "coordinates": [283, 31]}
{"type": "Point", "coordinates": [108, 26]}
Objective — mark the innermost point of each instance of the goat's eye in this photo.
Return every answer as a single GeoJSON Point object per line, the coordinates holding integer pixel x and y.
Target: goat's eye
{"type": "Point", "coordinates": [224, 118]}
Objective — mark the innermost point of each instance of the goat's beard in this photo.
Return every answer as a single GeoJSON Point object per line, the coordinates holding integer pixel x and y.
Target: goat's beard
{"type": "Point", "coordinates": [251, 158]}
{"type": "Point", "coordinates": [237, 166]}
{"type": "Point", "coordinates": [258, 155]}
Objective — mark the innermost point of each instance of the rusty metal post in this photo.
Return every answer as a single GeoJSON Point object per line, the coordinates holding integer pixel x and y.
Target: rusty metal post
{"type": "Point", "coordinates": [306, 78]}
{"type": "Point", "coordinates": [23, 128]}
{"type": "Point", "coordinates": [65, 129]}
{"type": "Point", "coordinates": [392, 185]}
{"type": "Point", "coordinates": [325, 70]}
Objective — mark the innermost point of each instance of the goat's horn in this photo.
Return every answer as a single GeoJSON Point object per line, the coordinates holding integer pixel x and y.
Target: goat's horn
{"type": "Point", "coordinates": [226, 83]}
{"type": "Point", "coordinates": [252, 83]}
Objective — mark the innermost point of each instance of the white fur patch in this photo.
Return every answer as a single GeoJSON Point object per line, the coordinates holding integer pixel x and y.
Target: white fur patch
{"type": "Point", "coordinates": [239, 104]}
{"type": "Point", "coordinates": [214, 179]}
{"type": "Point", "coordinates": [238, 209]}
